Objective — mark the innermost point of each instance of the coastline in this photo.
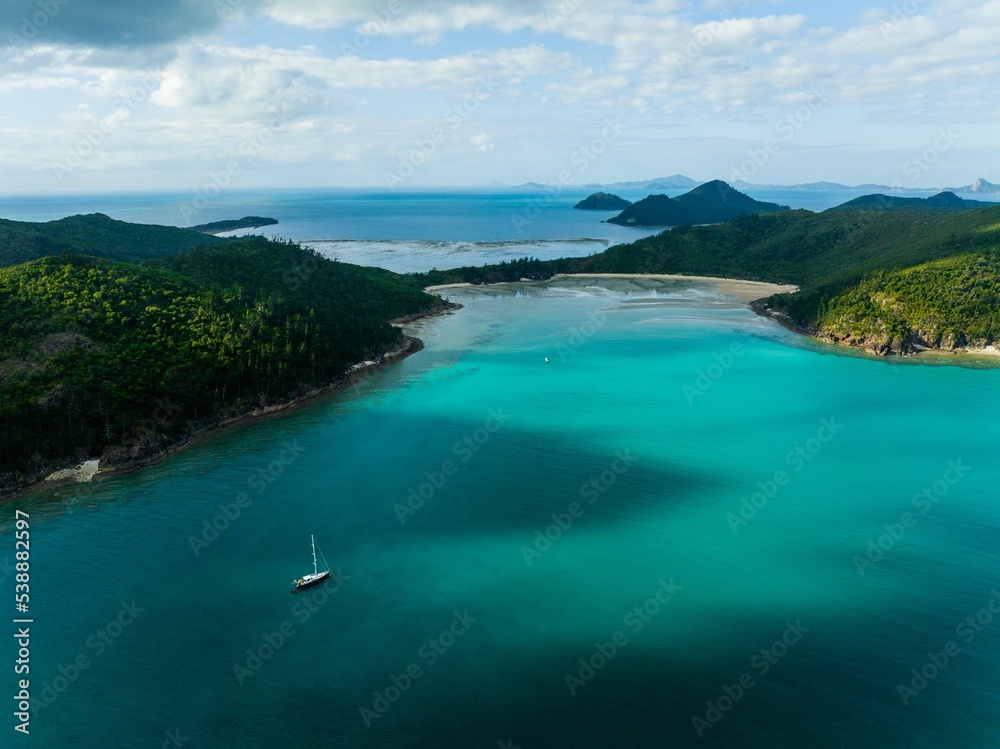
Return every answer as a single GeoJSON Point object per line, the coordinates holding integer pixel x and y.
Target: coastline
{"type": "Point", "coordinates": [961, 356]}
{"type": "Point", "coordinates": [754, 294]}
{"type": "Point", "coordinates": [747, 291]}
{"type": "Point", "coordinates": [95, 469]}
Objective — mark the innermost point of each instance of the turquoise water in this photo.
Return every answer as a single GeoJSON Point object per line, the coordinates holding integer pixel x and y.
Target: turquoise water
{"type": "Point", "coordinates": [655, 417]}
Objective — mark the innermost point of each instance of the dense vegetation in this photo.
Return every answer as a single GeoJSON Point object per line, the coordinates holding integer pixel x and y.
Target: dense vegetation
{"type": "Point", "coordinates": [805, 248]}
{"type": "Point", "coordinates": [94, 234]}
{"type": "Point", "coordinates": [602, 201]}
{"type": "Point", "coordinates": [808, 249]}
{"type": "Point", "coordinates": [943, 202]}
{"type": "Point", "coordinates": [947, 303]}
{"type": "Point", "coordinates": [847, 264]}
{"type": "Point", "coordinates": [247, 222]}
{"type": "Point", "coordinates": [710, 203]}
{"type": "Point", "coordinates": [90, 348]}
{"type": "Point", "coordinates": [512, 270]}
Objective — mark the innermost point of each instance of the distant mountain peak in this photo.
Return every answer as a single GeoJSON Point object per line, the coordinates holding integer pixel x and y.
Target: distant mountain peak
{"type": "Point", "coordinates": [710, 203]}
{"type": "Point", "coordinates": [946, 198]}
{"type": "Point", "coordinates": [981, 186]}
{"type": "Point", "coordinates": [673, 182]}
{"type": "Point", "coordinates": [717, 185]}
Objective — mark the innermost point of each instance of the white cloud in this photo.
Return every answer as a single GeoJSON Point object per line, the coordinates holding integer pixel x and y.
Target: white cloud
{"type": "Point", "coordinates": [240, 83]}
{"type": "Point", "coordinates": [42, 60]}
{"type": "Point", "coordinates": [482, 142]}
{"type": "Point", "coordinates": [262, 79]}
{"type": "Point", "coordinates": [408, 16]}
{"type": "Point", "coordinates": [730, 66]}
{"type": "Point", "coordinates": [20, 83]}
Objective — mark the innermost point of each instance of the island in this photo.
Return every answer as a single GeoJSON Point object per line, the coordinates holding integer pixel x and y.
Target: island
{"type": "Point", "coordinates": [602, 201]}
{"type": "Point", "coordinates": [113, 353]}
{"type": "Point", "coordinates": [247, 222]}
{"type": "Point", "coordinates": [710, 203]}
{"type": "Point", "coordinates": [981, 186]}
{"type": "Point", "coordinates": [901, 281]}
{"type": "Point", "coordinates": [943, 202]}
{"type": "Point", "coordinates": [119, 342]}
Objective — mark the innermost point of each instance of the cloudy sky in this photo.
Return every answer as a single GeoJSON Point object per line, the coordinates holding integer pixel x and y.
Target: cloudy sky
{"type": "Point", "coordinates": [144, 94]}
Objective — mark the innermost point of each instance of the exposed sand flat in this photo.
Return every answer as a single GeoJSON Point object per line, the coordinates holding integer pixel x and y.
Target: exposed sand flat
{"type": "Point", "coordinates": [432, 289]}
{"type": "Point", "coordinates": [745, 290]}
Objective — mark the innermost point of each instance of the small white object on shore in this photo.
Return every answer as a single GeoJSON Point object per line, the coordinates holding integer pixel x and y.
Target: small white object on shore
{"type": "Point", "coordinates": [83, 472]}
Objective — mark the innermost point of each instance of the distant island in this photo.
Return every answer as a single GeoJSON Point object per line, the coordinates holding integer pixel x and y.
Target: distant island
{"type": "Point", "coordinates": [911, 277]}
{"type": "Point", "coordinates": [943, 202]}
{"type": "Point", "coordinates": [711, 203]}
{"type": "Point", "coordinates": [124, 340]}
{"type": "Point", "coordinates": [603, 201]}
{"type": "Point", "coordinates": [673, 182]}
{"type": "Point", "coordinates": [980, 186]}
{"type": "Point", "coordinates": [247, 222]}
{"type": "Point", "coordinates": [682, 182]}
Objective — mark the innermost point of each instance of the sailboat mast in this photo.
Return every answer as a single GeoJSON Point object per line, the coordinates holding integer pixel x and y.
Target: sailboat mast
{"type": "Point", "coordinates": [315, 567]}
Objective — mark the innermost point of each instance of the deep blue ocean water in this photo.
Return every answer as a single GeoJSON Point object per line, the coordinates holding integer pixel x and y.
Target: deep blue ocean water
{"type": "Point", "coordinates": [689, 521]}
{"type": "Point", "coordinates": [403, 231]}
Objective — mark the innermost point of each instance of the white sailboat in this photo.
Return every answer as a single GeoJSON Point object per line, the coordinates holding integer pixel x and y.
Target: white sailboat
{"type": "Point", "coordinates": [316, 575]}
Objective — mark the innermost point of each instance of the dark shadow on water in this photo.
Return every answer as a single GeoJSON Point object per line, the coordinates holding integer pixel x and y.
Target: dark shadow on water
{"type": "Point", "coordinates": [518, 478]}
{"type": "Point", "coordinates": [835, 688]}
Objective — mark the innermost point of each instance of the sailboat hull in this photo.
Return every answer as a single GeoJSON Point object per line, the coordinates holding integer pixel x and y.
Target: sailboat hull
{"type": "Point", "coordinates": [315, 576]}
{"type": "Point", "coordinates": [311, 579]}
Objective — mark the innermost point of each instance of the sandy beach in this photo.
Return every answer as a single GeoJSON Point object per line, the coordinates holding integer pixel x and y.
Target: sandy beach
{"type": "Point", "coordinates": [746, 291]}
{"type": "Point", "coordinates": [965, 355]}
{"type": "Point", "coordinates": [984, 351]}
{"type": "Point", "coordinates": [433, 289]}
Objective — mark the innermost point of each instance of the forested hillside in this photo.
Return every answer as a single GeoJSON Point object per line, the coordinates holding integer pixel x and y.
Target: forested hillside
{"type": "Point", "coordinates": [94, 234]}
{"type": "Point", "coordinates": [943, 202]}
{"type": "Point", "coordinates": [827, 255]}
{"type": "Point", "coordinates": [90, 347]}
{"type": "Point", "coordinates": [710, 203]}
{"type": "Point", "coordinates": [948, 303]}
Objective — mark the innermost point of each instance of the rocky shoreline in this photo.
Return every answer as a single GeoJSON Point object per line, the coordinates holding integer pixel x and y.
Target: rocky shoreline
{"type": "Point", "coordinates": [883, 346]}
{"type": "Point", "coordinates": [152, 450]}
